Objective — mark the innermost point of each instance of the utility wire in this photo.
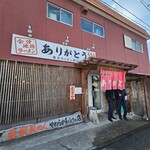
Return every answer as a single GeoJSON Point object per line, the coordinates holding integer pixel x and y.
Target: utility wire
{"type": "Point", "coordinates": [145, 5]}
{"type": "Point", "coordinates": [125, 15]}
{"type": "Point", "coordinates": [131, 13]}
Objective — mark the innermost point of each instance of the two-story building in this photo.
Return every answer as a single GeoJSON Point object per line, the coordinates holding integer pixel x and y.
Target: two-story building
{"type": "Point", "coordinates": [52, 52]}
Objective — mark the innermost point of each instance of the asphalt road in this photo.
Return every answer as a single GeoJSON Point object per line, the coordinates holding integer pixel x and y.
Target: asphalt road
{"type": "Point", "coordinates": [137, 141]}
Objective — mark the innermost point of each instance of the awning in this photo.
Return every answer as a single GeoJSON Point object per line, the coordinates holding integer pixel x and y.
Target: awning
{"type": "Point", "coordinates": [93, 63]}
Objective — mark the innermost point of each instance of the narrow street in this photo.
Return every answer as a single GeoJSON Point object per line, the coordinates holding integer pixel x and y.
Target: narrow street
{"type": "Point", "coordinates": [137, 141]}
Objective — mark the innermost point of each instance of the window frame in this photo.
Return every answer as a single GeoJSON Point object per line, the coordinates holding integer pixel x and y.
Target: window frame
{"type": "Point", "coordinates": [128, 43]}
{"type": "Point", "coordinates": [60, 20]}
{"type": "Point", "coordinates": [93, 32]}
{"type": "Point", "coordinates": [141, 47]}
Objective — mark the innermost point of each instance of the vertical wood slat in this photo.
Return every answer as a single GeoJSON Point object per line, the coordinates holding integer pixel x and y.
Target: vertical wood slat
{"type": "Point", "coordinates": [43, 93]}
{"type": "Point", "coordinates": [18, 92]}
{"type": "Point", "coordinates": [21, 90]}
{"type": "Point", "coordinates": [28, 91]}
{"type": "Point", "coordinates": [3, 89]}
{"type": "Point", "coordinates": [36, 81]}
{"type": "Point", "coordinates": [83, 106]}
{"type": "Point", "coordinates": [131, 97]}
{"type": "Point", "coordinates": [39, 93]}
{"type": "Point", "coordinates": [146, 98]}
{"type": "Point", "coordinates": [6, 96]}
{"type": "Point", "coordinates": [33, 95]}
{"type": "Point", "coordinates": [10, 92]}
{"type": "Point", "coordinates": [143, 97]}
{"type": "Point", "coordinates": [147, 91]}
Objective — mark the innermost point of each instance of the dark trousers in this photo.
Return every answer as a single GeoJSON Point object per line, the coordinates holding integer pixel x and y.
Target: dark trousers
{"type": "Point", "coordinates": [121, 102]}
{"type": "Point", "coordinates": [111, 108]}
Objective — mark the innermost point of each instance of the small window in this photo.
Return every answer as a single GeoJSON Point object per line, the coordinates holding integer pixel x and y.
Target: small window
{"type": "Point", "coordinates": [127, 42]}
{"type": "Point", "coordinates": [139, 47]}
{"type": "Point", "coordinates": [53, 12]}
{"type": "Point", "coordinates": [59, 14]}
{"type": "Point", "coordinates": [87, 25]}
{"type": "Point", "coordinates": [133, 44]}
{"type": "Point", "coordinates": [98, 30]}
{"type": "Point", "coordinates": [66, 17]}
{"type": "Point", "coordinates": [92, 27]}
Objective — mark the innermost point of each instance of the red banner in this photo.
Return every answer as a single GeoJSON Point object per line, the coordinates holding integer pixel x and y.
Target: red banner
{"type": "Point", "coordinates": [103, 79]}
{"type": "Point", "coordinates": [121, 80]}
{"type": "Point", "coordinates": [106, 80]}
{"type": "Point", "coordinates": [109, 80]}
{"type": "Point", "coordinates": [112, 80]}
{"type": "Point", "coordinates": [115, 80]}
{"type": "Point", "coordinates": [120, 83]}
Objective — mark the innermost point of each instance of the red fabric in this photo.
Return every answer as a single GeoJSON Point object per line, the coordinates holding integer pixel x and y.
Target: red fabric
{"type": "Point", "coordinates": [109, 80]}
{"type": "Point", "coordinates": [112, 80]}
{"type": "Point", "coordinates": [115, 80]}
{"type": "Point", "coordinates": [103, 79]}
{"type": "Point", "coordinates": [120, 80]}
{"type": "Point", "coordinates": [106, 80]}
{"type": "Point", "coordinates": [123, 79]}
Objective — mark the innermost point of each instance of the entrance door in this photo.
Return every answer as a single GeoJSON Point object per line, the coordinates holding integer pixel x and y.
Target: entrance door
{"type": "Point", "coordinates": [95, 95]}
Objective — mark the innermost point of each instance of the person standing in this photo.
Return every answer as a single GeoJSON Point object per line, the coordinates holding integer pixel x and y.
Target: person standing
{"type": "Point", "coordinates": [120, 97]}
{"type": "Point", "coordinates": [110, 96]}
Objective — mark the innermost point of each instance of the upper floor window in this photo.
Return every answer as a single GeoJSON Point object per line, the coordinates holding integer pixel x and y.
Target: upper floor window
{"type": "Point", "coordinates": [92, 27]}
{"type": "Point", "coordinates": [59, 14]}
{"type": "Point", "coordinates": [133, 44]}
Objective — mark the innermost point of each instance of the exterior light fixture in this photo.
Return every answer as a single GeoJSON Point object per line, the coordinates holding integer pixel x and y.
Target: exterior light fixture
{"type": "Point", "coordinates": [29, 31]}
{"type": "Point", "coordinates": [66, 41]}
{"type": "Point", "coordinates": [93, 47]}
{"type": "Point", "coordinates": [84, 10]}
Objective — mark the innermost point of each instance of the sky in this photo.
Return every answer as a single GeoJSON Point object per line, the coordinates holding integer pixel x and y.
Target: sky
{"type": "Point", "coordinates": [137, 11]}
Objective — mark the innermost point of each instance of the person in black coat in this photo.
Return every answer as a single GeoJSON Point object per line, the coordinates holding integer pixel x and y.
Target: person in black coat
{"type": "Point", "coordinates": [120, 97]}
{"type": "Point", "coordinates": [110, 96]}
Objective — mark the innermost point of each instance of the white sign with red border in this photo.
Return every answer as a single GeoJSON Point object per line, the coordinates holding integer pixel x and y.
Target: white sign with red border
{"type": "Point", "coordinates": [31, 47]}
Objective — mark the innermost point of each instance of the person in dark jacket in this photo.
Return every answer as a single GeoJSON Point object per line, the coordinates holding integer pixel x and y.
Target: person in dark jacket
{"type": "Point", "coordinates": [120, 97]}
{"type": "Point", "coordinates": [110, 96]}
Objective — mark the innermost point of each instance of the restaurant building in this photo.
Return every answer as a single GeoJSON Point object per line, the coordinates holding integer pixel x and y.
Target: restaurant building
{"type": "Point", "coordinates": [54, 52]}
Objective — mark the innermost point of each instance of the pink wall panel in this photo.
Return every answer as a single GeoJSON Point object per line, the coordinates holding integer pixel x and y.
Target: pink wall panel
{"type": "Point", "coordinates": [88, 39]}
{"type": "Point", "coordinates": [21, 13]}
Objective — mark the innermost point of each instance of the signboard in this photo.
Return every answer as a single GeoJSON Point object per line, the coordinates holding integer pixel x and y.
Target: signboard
{"type": "Point", "coordinates": [32, 47]}
{"type": "Point", "coordinates": [72, 92]}
{"type": "Point", "coordinates": [78, 90]}
{"type": "Point", "coordinates": [112, 80]}
{"type": "Point", "coordinates": [28, 129]}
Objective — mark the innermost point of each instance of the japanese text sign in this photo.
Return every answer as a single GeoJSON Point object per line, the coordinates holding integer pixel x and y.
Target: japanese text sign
{"type": "Point", "coordinates": [112, 80]}
{"type": "Point", "coordinates": [72, 92]}
{"type": "Point", "coordinates": [106, 79]}
{"type": "Point", "coordinates": [31, 47]}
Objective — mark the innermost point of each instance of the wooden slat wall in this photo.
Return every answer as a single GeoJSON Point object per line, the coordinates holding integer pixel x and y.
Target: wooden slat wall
{"type": "Point", "coordinates": [147, 95]}
{"type": "Point", "coordinates": [30, 91]}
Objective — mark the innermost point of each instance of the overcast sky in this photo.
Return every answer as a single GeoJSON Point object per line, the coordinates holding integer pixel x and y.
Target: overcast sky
{"type": "Point", "coordinates": [136, 10]}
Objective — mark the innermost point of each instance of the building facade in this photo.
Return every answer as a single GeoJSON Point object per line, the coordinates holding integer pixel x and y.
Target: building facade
{"type": "Point", "coordinates": [52, 50]}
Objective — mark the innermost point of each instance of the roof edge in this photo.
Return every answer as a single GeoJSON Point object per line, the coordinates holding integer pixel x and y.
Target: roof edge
{"type": "Point", "coordinates": [112, 15]}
